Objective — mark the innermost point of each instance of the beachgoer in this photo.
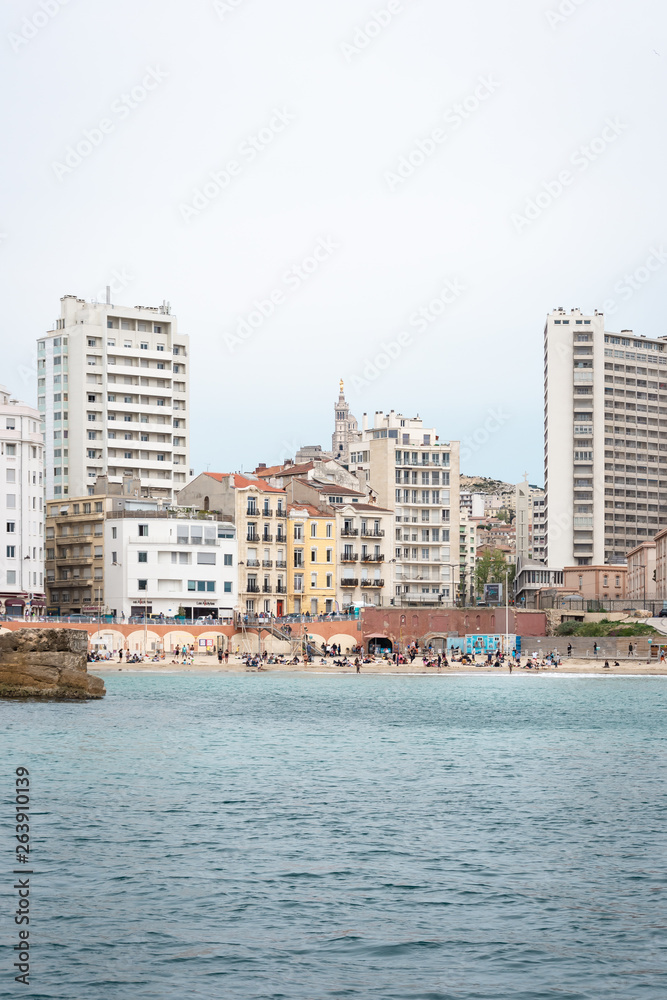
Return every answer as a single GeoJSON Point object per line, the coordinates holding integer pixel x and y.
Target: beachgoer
{"type": "Point", "coordinates": [569, 649]}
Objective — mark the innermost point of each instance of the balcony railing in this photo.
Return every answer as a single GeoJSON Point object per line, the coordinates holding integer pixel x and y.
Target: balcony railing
{"type": "Point", "coordinates": [280, 512]}
{"type": "Point", "coordinates": [280, 589]}
{"type": "Point", "coordinates": [252, 538]}
{"type": "Point", "coordinates": [252, 588]}
{"type": "Point", "coordinates": [350, 532]}
{"type": "Point", "coordinates": [252, 562]}
{"type": "Point", "coordinates": [372, 533]}
{"type": "Point", "coordinates": [372, 583]}
{"type": "Point", "coordinates": [267, 589]}
{"type": "Point", "coordinates": [373, 558]}
{"type": "Point", "coordinates": [267, 513]}
{"type": "Point", "coordinates": [252, 512]}
{"type": "Point", "coordinates": [281, 564]}
{"type": "Point", "coordinates": [349, 582]}
{"type": "Point", "coordinates": [267, 563]}
{"type": "Point", "coordinates": [349, 557]}
{"type": "Point", "coordinates": [267, 538]}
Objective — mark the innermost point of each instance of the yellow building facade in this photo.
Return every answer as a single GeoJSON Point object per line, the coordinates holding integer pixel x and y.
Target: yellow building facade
{"type": "Point", "coordinates": [311, 560]}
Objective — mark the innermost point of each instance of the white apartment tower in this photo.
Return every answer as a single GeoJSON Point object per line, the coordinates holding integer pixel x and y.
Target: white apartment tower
{"type": "Point", "coordinates": [605, 439]}
{"type": "Point", "coordinates": [417, 476]}
{"type": "Point", "coordinates": [22, 508]}
{"type": "Point", "coordinates": [113, 398]}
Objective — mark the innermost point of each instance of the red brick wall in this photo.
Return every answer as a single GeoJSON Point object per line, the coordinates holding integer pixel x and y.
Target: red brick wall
{"type": "Point", "coordinates": [409, 625]}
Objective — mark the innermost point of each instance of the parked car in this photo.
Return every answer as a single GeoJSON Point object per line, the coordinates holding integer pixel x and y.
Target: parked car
{"type": "Point", "coordinates": [662, 613]}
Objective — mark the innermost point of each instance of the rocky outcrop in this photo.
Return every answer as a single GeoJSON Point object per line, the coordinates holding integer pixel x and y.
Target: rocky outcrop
{"type": "Point", "coordinates": [47, 663]}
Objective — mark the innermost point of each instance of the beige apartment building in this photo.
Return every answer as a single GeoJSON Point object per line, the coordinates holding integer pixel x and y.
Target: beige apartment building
{"type": "Point", "coordinates": [75, 545]}
{"type": "Point", "coordinates": [415, 474]}
{"type": "Point", "coordinates": [259, 512]}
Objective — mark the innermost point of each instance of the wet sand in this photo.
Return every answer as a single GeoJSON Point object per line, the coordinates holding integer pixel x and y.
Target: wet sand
{"type": "Point", "coordinates": [209, 664]}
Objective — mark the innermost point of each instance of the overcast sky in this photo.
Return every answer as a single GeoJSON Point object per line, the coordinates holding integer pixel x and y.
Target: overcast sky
{"type": "Point", "coordinates": [402, 139]}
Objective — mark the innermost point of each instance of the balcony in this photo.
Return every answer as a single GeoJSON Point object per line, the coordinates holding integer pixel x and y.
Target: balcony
{"type": "Point", "coordinates": [252, 562]}
{"type": "Point", "coordinates": [250, 537]}
{"type": "Point", "coordinates": [350, 532]}
{"type": "Point", "coordinates": [349, 557]}
{"type": "Point", "coordinates": [349, 582]}
{"type": "Point", "coordinates": [367, 533]}
{"type": "Point", "coordinates": [281, 538]}
{"type": "Point", "coordinates": [267, 563]}
{"type": "Point", "coordinates": [252, 512]}
{"type": "Point", "coordinates": [280, 589]}
{"type": "Point", "coordinates": [267, 538]}
{"type": "Point", "coordinates": [281, 564]}
{"type": "Point", "coordinates": [267, 513]}
{"type": "Point", "coordinates": [280, 512]}
{"type": "Point", "coordinates": [252, 588]}
{"type": "Point", "coordinates": [372, 559]}
{"type": "Point", "coordinates": [267, 588]}
{"type": "Point", "coordinates": [372, 583]}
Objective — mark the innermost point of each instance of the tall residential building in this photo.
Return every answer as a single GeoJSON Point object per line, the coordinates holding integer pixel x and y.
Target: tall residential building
{"type": "Point", "coordinates": [416, 475]}
{"type": "Point", "coordinates": [21, 508]}
{"type": "Point", "coordinates": [605, 439]}
{"type": "Point", "coordinates": [529, 522]}
{"type": "Point", "coordinates": [113, 397]}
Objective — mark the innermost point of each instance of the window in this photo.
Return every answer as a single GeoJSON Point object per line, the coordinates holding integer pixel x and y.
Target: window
{"type": "Point", "coordinates": [313, 530]}
{"type": "Point", "coordinates": [329, 530]}
{"type": "Point", "coordinates": [11, 500]}
{"type": "Point", "coordinates": [11, 475]}
{"type": "Point", "coordinates": [114, 532]}
{"type": "Point", "coordinates": [313, 580]}
{"type": "Point", "coordinates": [10, 449]}
{"type": "Point", "coordinates": [227, 587]}
{"type": "Point", "coordinates": [11, 576]}
{"type": "Point", "coordinates": [142, 584]}
{"type": "Point", "coordinates": [298, 532]}
{"type": "Point", "coordinates": [227, 559]}
{"type": "Point", "coordinates": [143, 345]}
{"type": "Point", "coordinates": [142, 557]}
{"type": "Point", "coordinates": [143, 531]}
{"type": "Point", "coordinates": [206, 558]}
{"type": "Point", "coordinates": [313, 555]}
{"type": "Point", "coordinates": [11, 551]}
{"type": "Point", "coordinates": [329, 580]}
{"type": "Point", "coordinates": [11, 526]}
{"type": "Point", "coordinates": [329, 555]}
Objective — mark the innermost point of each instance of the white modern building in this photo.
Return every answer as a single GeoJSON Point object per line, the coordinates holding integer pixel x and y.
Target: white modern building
{"type": "Point", "coordinates": [21, 508]}
{"type": "Point", "coordinates": [605, 439]}
{"type": "Point", "coordinates": [161, 562]}
{"type": "Point", "coordinates": [416, 475]}
{"type": "Point", "coordinates": [529, 522]}
{"type": "Point", "coordinates": [113, 398]}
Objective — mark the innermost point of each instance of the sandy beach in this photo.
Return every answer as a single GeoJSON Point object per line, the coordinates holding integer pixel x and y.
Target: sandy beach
{"type": "Point", "coordinates": [208, 664]}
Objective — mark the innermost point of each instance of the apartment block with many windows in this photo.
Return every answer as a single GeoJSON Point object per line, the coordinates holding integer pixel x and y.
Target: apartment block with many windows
{"type": "Point", "coordinates": [21, 508]}
{"type": "Point", "coordinates": [605, 439]}
{"type": "Point", "coordinates": [417, 476]}
{"type": "Point", "coordinates": [113, 398]}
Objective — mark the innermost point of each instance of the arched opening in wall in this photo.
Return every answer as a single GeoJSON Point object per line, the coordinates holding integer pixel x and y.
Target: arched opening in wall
{"type": "Point", "coordinates": [493, 623]}
{"type": "Point", "coordinates": [466, 622]}
{"type": "Point", "coordinates": [379, 644]}
{"type": "Point", "coordinates": [207, 503]}
{"type": "Point", "coordinates": [478, 622]}
{"type": "Point", "coordinates": [438, 643]}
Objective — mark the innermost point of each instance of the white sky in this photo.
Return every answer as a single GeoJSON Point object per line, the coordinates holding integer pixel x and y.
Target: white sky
{"type": "Point", "coordinates": [355, 113]}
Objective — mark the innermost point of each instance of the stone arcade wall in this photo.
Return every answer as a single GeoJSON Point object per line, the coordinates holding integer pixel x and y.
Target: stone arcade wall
{"type": "Point", "coordinates": [47, 663]}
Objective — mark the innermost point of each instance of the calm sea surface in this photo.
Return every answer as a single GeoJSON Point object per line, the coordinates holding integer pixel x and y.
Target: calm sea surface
{"type": "Point", "coordinates": [291, 836]}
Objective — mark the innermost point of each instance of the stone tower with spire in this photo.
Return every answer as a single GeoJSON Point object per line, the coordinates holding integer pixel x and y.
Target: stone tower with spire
{"type": "Point", "coordinates": [346, 431]}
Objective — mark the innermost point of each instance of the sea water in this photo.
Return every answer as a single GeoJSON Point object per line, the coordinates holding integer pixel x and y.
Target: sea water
{"type": "Point", "coordinates": [298, 836]}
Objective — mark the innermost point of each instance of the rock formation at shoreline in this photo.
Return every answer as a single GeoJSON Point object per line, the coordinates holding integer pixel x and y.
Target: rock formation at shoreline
{"type": "Point", "coordinates": [47, 663]}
